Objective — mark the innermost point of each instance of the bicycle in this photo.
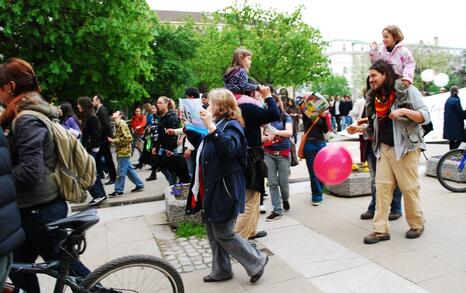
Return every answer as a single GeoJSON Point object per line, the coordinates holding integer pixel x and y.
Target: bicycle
{"type": "Point", "coordinates": [451, 171]}
{"type": "Point", "coordinates": [134, 273]}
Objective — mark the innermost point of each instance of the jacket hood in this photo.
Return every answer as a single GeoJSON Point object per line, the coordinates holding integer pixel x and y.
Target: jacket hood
{"type": "Point", "coordinates": [227, 76]}
{"type": "Point", "coordinates": [34, 101]}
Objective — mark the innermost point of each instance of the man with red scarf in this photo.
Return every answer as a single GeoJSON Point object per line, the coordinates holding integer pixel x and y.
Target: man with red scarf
{"type": "Point", "coordinates": [395, 115]}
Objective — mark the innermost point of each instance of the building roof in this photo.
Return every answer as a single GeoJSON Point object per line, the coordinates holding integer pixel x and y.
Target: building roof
{"type": "Point", "coordinates": [179, 16]}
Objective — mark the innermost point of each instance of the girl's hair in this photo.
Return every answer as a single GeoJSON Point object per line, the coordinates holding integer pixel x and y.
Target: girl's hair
{"type": "Point", "coordinates": [67, 111]}
{"type": "Point", "coordinates": [385, 68]}
{"type": "Point", "coordinates": [395, 32]}
{"type": "Point", "coordinates": [224, 105]}
{"type": "Point", "coordinates": [169, 102]}
{"type": "Point", "coordinates": [237, 61]}
{"type": "Point", "coordinates": [86, 104]}
{"type": "Point", "coordinates": [277, 100]}
{"type": "Point", "coordinates": [21, 73]}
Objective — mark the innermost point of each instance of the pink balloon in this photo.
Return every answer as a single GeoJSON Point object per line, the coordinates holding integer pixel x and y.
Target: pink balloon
{"type": "Point", "coordinates": [333, 164]}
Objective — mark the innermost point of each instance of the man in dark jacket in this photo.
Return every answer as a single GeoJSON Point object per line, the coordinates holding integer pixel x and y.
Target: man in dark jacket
{"type": "Point", "coordinates": [11, 234]}
{"type": "Point", "coordinates": [104, 151]}
{"type": "Point", "coordinates": [453, 120]}
{"type": "Point", "coordinates": [254, 117]}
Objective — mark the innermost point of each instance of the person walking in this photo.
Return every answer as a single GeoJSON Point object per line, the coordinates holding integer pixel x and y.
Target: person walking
{"type": "Point", "coordinates": [293, 110]}
{"type": "Point", "coordinates": [69, 120]}
{"type": "Point", "coordinates": [33, 157]}
{"type": "Point", "coordinates": [104, 150]}
{"type": "Point", "coordinates": [122, 142]}
{"type": "Point", "coordinates": [91, 140]}
{"type": "Point", "coordinates": [218, 187]}
{"type": "Point", "coordinates": [395, 114]}
{"type": "Point", "coordinates": [138, 124]}
{"type": "Point", "coordinates": [277, 158]}
{"type": "Point", "coordinates": [453, 120]}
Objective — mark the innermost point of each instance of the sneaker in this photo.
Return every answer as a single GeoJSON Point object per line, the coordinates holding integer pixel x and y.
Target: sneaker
{"type": "Point", "coordinates": [414, 233]}
{"type": "Point", "coordinates": [137, 188]}
{"type": "Point", "coordinates": [151, 177]}
{"type": "Point", "coordinates": [394, 216]}
{"type": "Point", "coordinates": [97, 200]}
{"type": "Point", "coordinates": [316, 203]}
{"type": "Point", "coordinates": [375, 237]}
{"type": "Point", "coordinates": [367, 215]}
{"type": "Point", "coordinates": [115, 194]}
{"type": "Point", "coordinates": [262, 209]}
{"type": "Point", "coordinates": [273, 217]}
{"type": "Point", "coordinates": [286, 205]}
{"type": "Point", "coordinates": [257, 276]}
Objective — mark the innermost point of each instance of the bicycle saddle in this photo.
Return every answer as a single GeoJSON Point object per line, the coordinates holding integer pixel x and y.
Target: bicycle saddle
{"type": "Point", "coordinates": [78, 222]}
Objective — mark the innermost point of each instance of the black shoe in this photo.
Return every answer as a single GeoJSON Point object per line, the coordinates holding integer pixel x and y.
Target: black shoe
{"type": "Point", "coordinates": [394, 216]}
{"type": "Point", "coordinates": [209, 279]}
{"type": "Point", "coordinates": [97, 200]}
{"type": "Point", "coordinates": [110, 182]}
{"type": "Point", "coordinates": [138, 166]}
{"type": "Point", "coordinates": [259, 234]}
{"type": "Point", "coordinates": [115, 194]}
{"type": "Point", "coordinates": [273, 217]}
{"type": "Point", "coordinates": [151, 177]}
{"type": "Point", "coordinates": [286, 205]}
{"type": "Point", "coordinates": [137, 188]}
{"type": "Point", "coordinates": [375, 237]}
{"type": "Point", "coordinates": [257, 276]}
{"type": "Point", "coordinates": [414, 233]}
{"type": "Point", "coordinates": [367, 215]}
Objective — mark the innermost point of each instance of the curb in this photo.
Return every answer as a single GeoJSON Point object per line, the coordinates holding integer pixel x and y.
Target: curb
{"type": "Point", "coordinates": [107, 204]}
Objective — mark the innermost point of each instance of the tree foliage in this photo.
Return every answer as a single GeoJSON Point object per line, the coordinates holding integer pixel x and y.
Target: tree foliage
{"type": "Point", "coordinates": [81, 47]}
{"type": "Point", "coordinates": [333, 85]}
{"type": "Point", "coordinates": [286, 51]}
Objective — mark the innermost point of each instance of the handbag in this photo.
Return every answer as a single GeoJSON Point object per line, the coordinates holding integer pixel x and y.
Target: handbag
{"type": "Point", "coordinates": [304, 139]}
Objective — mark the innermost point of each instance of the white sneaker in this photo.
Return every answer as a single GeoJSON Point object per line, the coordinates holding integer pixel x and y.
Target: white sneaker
{"type": "Point", "coordinates": [262, 209]}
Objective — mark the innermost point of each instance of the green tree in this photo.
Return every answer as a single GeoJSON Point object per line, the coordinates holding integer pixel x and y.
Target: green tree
{"type": "Point", "coordinates": [333, 85]}
{"type": "Point", "coordinates": [286, 51]}
{"type": "Point", "coordinates": [173, 47]}
{"type": "Point", "coordinates": [81, 47]}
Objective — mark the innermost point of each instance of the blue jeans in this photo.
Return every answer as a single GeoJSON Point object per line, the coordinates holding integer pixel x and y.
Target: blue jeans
{"type": "Point", "coordinates": [41, 241]}
{"type": "Point", "coordinates": [346, 121]}
{"type": "Point", "coordinates": [5, 263]}
{"type": "Point", "coordinates": [125, 168]}
{"type": "Point", "coordinates": [97, 189]}
{"type": "Point", "coordinates": [278, 168]}
{"type": "Point", "coordinates": [311, 148]}
{"type": "Point", "coordinates": [396, 201]}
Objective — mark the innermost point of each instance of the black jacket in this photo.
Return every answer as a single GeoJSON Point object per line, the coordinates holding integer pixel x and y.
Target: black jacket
{"type": "Point", "coordinates": [345, 107]}
{"type": "Point", "coordinates": [453, 121]}
{"type": "Point", "coordinates": [91, 133]}
{"type": "Point", "coordinates": [169, 120]}
{"type": "Point", "coordinates": [104, 119]}
{"type": "Point", "coordinates": [11, 233]}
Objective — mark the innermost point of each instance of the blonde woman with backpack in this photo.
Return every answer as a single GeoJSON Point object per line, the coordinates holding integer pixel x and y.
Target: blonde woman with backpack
{"type": "Point", "coordinates": [33, 157]}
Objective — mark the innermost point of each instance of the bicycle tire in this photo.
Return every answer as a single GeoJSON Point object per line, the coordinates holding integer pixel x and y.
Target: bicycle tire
{"type": "Point", "coordinates": [98, 276]}
{"type": "Point", "coordinates": [447, 183]}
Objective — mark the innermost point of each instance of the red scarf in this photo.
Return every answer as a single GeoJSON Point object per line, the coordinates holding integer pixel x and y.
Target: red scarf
{"type": "Point", "coordinates": [383, 105]}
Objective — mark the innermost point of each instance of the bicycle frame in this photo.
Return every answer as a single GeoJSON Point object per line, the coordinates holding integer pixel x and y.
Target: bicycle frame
{"type": "Point", "coordinates": [463, 163]}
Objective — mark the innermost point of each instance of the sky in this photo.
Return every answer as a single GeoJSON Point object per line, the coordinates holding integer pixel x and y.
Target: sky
{"type": "Point", "coordinates": [360, 20]}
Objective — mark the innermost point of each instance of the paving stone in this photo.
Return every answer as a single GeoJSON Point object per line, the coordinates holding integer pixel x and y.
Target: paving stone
{"type": "Point", "coordinates": [182, 239]}
{"type": "Point", "coordinates": [188, 269]}
{"type": "Point", "coordinates": [207, 259]}
{"type": "Point", "coordinates": [197, 257]}
{"type": "Point", "coordinates": [206, 255]}
{"type": "Point", "coordinates": [170, 257]}
{"type": "Point", "coordinates": [192, 237]}
{"type": "Point", "coordinates": [197, 262]}
{"type": "Point", "coordinates": [201, 267]}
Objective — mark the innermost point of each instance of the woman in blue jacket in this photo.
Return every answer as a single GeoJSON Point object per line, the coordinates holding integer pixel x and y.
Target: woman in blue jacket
{"type": "Point", "coordinates": [218, 187]}
{"type": "Point", "coordinates": [453, 121]}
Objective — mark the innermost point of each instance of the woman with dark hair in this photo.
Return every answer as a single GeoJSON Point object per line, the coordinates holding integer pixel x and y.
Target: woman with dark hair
{"type": "Point", "coordinates": [293, 111]}
{"type": "Point", "coordinates": [69, 120]}
{"type": "Point", "coordinates": [138, 123]}
{"type": "Point", "coordinates": [33, 157]}
{"type": "Point", "coordinates": [91, 129]}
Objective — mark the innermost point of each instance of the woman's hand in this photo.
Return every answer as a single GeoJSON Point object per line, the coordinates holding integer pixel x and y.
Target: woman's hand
{"type": "Point", "coordinates": [110, 139]}
{"type": "Point", "coordinates": [352, 129]}
{"type": "Point", "coordinates": [170, 131]}
{"type": "Point", "coordinates": [206, 117]}
{"type": "Point", "coordinates": [374, 46]}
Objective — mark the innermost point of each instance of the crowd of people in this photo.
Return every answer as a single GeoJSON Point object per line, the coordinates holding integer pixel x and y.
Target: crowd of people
{"type": "Point", "coordinates": [251, 135]}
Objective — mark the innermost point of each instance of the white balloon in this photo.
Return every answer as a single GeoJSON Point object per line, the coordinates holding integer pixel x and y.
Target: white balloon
{"type": "Point", "coordinates": [427, 75]}
{"type": "Point", "coordinates": [441, 79]}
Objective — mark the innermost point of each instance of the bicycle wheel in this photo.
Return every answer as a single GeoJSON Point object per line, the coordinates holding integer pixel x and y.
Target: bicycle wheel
{"type": "Point", "coordinates": [449, 173]}
{"type": "Point", "coordinates": [134, 273]}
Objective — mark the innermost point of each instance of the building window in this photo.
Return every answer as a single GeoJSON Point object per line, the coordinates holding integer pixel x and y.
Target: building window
{"type": "Point", "coordinates": [345, 70]}
{"type": "Point", "coordinates": [344, 47]}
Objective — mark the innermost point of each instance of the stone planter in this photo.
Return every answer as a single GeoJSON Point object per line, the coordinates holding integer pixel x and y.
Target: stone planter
{"type": "Point", "coordinates": [357, 184]}
{"type": "Point", "coordinates": [431, 169]}
{"type": "Point", "coordinates": [176, 209]}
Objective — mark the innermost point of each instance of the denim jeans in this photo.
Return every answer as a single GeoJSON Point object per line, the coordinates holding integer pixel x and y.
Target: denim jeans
{"type": "Point", "coordinates": [97, 189]}
{"type": "Point", "coordinates": [171, 177]}
{"type": "Point", "coordinates": [41, 241]}
{"type": "Point", "coordinates": [396, 201]}
{"type": "Point", "coordinates": [278, 168]}
{"type": "Point", "coordinates": [311, 148]}
{"type": "Point", "coordinates": [5, 263]}
{"type": "Point", "coordinates": [346, 121]}
{"type": "Point", "coordinates": [191, 164]}
{"type": "Point", "coordinates": [126, 169]}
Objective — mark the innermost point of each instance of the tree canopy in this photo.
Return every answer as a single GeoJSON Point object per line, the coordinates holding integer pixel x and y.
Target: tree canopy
{"type": "Point", "coordinates": [333, 85]}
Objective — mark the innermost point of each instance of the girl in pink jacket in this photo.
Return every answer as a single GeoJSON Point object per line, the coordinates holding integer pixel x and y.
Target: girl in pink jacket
{"type": "Point", "coordinates": [395, 53]}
